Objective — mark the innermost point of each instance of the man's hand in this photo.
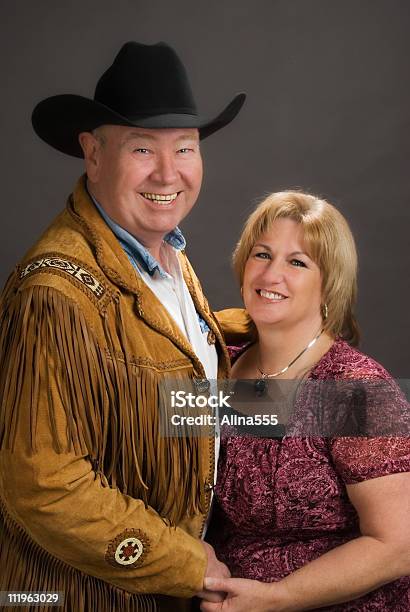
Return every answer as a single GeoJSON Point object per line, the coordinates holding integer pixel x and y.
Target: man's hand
{"type": "Point", "coordinates": [243, 595]}
{"type": "Point", "coordinates": [214, 569]}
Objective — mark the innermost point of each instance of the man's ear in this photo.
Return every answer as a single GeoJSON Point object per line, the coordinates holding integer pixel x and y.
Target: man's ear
{"type": "Point", "coordinates": [91, 149]}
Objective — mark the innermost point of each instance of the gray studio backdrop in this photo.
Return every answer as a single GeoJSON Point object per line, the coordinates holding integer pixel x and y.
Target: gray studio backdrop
{"type": "Point", "coordinates": [328, 111]}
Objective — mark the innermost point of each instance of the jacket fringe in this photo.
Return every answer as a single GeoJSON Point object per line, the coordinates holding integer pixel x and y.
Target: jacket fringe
{"type": "Point", "coordinates": [100, 389]}
{"type": "Point", "coordinates": [29, 564]}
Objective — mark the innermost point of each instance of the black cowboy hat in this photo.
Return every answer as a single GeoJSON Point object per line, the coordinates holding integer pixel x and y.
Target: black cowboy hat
{"type": "Point", "coordinates": [146, 86]}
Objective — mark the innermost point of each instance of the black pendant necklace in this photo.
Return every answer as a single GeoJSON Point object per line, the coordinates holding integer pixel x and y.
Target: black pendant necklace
{"type": "Point", "coordinates": [260, 384]}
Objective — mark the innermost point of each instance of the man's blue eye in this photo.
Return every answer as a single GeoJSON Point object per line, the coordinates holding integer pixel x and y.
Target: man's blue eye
{"type": "Point", "coordinates": [141, 150]}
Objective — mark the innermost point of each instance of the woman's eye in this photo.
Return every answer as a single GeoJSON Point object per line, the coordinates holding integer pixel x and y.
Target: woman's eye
{"type": "Point", "coordinates": [184, 150]}
{"type": "Point", "coordinates": [262, 255]}
{"type": "Point", "coordinates": [298, 263]}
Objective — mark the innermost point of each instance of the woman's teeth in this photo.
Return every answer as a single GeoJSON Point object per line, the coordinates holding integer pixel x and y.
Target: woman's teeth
{"type": "Point", "coordinates": [272, 295]}
{"type": "Point", "coordinates": [157, 197]}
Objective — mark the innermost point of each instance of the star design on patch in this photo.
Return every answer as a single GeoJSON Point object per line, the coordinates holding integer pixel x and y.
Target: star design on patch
{"type": "Point", "coordinates": [128, 551]}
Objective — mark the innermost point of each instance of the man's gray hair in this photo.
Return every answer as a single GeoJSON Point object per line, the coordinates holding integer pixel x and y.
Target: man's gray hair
{"type": "Point", "coordinates": [99, 135]}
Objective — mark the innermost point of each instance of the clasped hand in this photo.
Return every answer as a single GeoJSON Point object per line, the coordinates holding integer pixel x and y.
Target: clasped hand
{"type": "Point", "coordinates": [221, 592]}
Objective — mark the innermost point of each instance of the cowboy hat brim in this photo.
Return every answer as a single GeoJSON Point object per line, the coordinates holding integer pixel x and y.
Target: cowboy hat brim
{"type": "Point", "coordinates": [59, 120]}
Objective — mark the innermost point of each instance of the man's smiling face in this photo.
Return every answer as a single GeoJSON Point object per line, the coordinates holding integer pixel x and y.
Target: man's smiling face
{"type": "Point", "coordinates": [147, 180]}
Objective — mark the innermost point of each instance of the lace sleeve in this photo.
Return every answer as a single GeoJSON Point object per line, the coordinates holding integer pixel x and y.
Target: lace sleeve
{"type": "Point", "coordinates": [381, 445]}
{"type": "Point", "coordinates": [359, 459]}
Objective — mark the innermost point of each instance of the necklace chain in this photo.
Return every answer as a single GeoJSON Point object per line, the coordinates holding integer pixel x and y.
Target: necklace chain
{"type": "Point", "coordinates": [311, 343]}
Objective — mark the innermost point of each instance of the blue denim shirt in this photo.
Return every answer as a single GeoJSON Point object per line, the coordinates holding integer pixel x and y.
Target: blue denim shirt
{"type": "Point", "coordinates": [137, 253]}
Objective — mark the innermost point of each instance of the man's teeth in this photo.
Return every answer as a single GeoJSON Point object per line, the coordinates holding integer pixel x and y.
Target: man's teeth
{"type": "Point", "coordinates": [271, 295]}
{"type": "Point", "coordinates": [157, 197]}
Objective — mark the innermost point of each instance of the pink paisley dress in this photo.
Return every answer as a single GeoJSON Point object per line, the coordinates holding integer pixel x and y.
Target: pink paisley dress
{"type": "Point", "coordinates": [281, 503]}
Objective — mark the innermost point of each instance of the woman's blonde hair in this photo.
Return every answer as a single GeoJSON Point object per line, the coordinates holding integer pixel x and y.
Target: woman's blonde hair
{"type": "Point", "coordinates": [327, 240]}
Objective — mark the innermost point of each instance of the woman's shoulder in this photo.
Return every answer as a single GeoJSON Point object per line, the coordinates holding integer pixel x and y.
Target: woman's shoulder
{"type": "Point", "coordinates": [240, 355]}
{"type": "Point", "coordinates": [235, 351]}
{"type": "Point", "coordinates": [343, 361]}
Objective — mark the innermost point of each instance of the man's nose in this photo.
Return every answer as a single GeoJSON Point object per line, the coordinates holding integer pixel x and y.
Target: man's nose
{"type": "Point", "coordinates": [165, 171]}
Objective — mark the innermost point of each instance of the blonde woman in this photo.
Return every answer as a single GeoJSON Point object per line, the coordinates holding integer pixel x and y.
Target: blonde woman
{"type": "Point", "coordinates": [307, 523]}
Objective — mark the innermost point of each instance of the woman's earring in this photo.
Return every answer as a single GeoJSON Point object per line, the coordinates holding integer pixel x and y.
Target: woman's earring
{"type": "Point", "coordinates": [325, 312]}
{"type": "Point", "coordinates": [242, 292]}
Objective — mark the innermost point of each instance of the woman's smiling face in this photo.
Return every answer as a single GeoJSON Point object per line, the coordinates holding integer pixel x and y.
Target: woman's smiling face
{"type": "Point", "coordinates": [282, 284]}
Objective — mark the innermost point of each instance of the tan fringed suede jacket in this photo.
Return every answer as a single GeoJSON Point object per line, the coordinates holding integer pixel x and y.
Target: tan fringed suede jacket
{"type": "Point", "coordinates": [95, 502]}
